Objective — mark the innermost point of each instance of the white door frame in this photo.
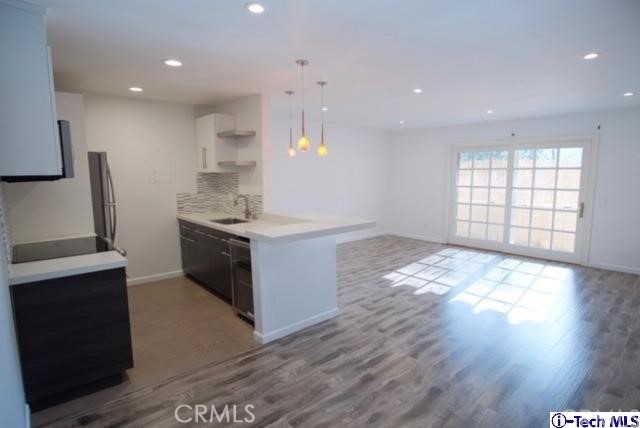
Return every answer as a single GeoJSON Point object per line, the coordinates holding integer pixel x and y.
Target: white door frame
{"type": "Point", "coordinates": [589, 170]}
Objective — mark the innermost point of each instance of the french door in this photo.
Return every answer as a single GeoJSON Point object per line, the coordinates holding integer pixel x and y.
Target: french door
{"type": "Point", "coordinates": [522, 199]}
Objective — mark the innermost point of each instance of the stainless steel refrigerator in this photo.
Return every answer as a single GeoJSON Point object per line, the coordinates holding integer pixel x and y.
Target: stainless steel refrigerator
{"type": "Point", "coordinates": [105, 215]}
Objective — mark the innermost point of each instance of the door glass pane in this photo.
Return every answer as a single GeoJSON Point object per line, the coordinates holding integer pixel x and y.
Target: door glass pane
{"type": "Point", "coordinates": [570, 157]}
{"type": "Point", "coordinates": [464, 178]}
{"type": "Point", "coordinates": [543, 198]}
{"type": "Point", "coordinates": [499, 178]}
{"type": "Point", "coordinates": [494, 232]}
{"type": "Point", "coordinates": [481, 178]}
{"type": "Point", "coordinates": [566, 200]}
{"type": "Point", "coordinates": [569, 179]}
{"type": "Point", "coordinates": [521, 198]}
{"type": "Point", "coordinates": [520, 217]}
{"type": "Point", "coordinates": [519, 236]}
{"type": "Point", "coordinates": [522, 177]}
{"type": "Point", "coordinates": [464, 194]}
{"type": "Point", "coordinates": [545, 179]}
{"type": "Point", "coordinates": [565, 221]}
{"type": "Point", "coordinates": [496, 215]}
{"type": "Point", "coordinates": [478, 231]}
{"type": "Point", "coordinates": [465, 160]}
{"type": "Point", "coordinates": [482, 160]}
{"type": "Point", "coordinates": [479, 213]}
{"type": "Point", "coordinates": [541, 219]}
{"type": "Point", "coordinates": [497, 196]}
{"type": "Point", "coordinates": [563, 241]}
{"type": "Point", "coordinates": [462, 228]}
{"type": "Point", "coordinates": [551, 224]}
{"type": "Point", "coordinates": [546, 158]}
{"type": "Point", "coordinates": [499, 159]}
{"type": "Point", "coordinates": [462, 212]}
{"type": "Point", "coordinates": [481, 181]}
{"type": "Point", "coordinates": [480, 195]}
{"type": "Point", "coordinates": [540, 239]}
{"type": "Point", "coordinates": [524, 158]}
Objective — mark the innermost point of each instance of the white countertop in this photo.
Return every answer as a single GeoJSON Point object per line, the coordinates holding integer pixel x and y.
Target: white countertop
{"type": "Point", "coordinates": [281, 228]}
{"type": "Point", "coordinates": [21, 273]}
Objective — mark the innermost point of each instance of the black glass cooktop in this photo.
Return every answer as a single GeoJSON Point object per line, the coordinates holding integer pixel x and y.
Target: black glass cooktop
{"type": "Point", "coordinates": [59, 248]}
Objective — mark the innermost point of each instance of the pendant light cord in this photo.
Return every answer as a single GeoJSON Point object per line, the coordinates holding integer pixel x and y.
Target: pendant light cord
{"type": "Point", "coordinates": [302, 94]}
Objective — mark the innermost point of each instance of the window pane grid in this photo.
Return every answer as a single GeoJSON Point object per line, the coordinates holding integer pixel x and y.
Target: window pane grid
{"type": "Point", "coordinates": [481, 182]}
{"type": "Point", "coordinates": [545, 198]}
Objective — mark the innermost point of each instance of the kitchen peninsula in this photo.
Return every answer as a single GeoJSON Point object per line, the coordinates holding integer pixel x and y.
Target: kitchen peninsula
{"type": "Point", "coordinates": [293, 261]}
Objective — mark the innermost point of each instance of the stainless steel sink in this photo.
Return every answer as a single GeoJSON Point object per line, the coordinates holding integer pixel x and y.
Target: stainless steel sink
{"type": "Point", "coordinates": [229, 221]}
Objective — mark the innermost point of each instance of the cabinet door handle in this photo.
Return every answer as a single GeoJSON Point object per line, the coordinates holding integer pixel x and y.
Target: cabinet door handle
{"type": "Point", "coordinates": [204, 158]}
{"type": "Point", "coordinates": [211, 236]}
{"type": "Point", "coordinates": [186, 239]}
{"type": "Point", "coordinates": [224, 253]}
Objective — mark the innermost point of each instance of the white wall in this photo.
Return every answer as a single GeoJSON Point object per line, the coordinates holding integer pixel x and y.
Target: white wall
{"type": "Point", "coordinates": [49, 210]}
{"type": "Point", "coordinates": [12, 403]}
{"type": "Point", "coordinates": [421, 157]}
{"type": "Point", "coordinates": [248, 114]}
{"type": "Point", "coordinates": [351, 181]}
{"type": "Point", "coordinates": [151, 150]}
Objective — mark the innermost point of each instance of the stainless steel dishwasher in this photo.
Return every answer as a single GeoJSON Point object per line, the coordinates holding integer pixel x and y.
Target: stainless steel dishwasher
{"type": "Point", "coordinates": [241, 279]}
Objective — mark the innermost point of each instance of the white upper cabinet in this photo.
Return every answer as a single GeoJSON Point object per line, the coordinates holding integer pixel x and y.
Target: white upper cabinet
{"type": "Point", "coordinates": [210, 148]}
{"type": "Point", "coordinates": [29, 142]}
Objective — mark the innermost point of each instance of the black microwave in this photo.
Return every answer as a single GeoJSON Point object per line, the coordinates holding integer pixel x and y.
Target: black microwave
{"type": "Point", "coordinates": [66, 153]}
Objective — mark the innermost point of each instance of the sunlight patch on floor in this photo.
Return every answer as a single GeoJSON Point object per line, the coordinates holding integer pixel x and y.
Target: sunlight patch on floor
{"type": "Point", "coordinates": [522, 290]}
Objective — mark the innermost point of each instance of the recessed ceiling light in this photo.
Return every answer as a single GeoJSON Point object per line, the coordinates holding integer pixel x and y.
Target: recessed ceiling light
{"type": "Point", "coordinates": [173, 63]}
{"type": "Point", "coordinates": [591, 55]}
{"type": "Point", "coordinates": [325, 108]}
{"type": "Point", "coordinates": [489, 111]}
{"type": "Point", "coordinates": [135, 89]}
{"type": "Point", "coordinates": [254, 8]}
{"type": "Point", "coordinates": [402, 122]}
{"type": "Point", "coordinates": [417, 91]}
{"type": "Point", "coordinates": [627, 94]}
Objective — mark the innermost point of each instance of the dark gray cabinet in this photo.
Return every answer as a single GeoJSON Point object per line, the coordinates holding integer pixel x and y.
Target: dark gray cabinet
{"type": "Point", "coordinates": [205, 257]}
{"type": "Point", "coordinates": [73, 334]}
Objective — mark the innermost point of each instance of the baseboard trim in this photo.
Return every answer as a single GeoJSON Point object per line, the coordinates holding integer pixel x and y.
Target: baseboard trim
{"type": "Point", "coordinates": [27, 416]}
{"type": "Point", "coordinates": [155, 277]}
{"type": "Point", "coordinates": [617, 268]}
{"type": "Point", "coordinates": [264, 338]}
{"type": "Point", "coordinates": [418, 237]}
{"type": "Point", "coordinates": [345, 239]}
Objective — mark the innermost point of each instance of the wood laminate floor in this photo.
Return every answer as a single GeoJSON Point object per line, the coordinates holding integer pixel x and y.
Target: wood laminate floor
{"type": "Point", "coordinates": [428, 336]}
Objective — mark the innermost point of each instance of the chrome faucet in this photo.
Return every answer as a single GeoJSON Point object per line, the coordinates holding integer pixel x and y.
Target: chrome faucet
{"type": "Point", "coordinates": [247, 212]}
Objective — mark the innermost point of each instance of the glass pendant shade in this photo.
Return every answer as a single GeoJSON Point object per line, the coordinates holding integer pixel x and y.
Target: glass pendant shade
{"type": "Point", "coordinates": [304, 144]}
{"type": "Point", "coordinates": [291, 152]}
{"type": "Point", "coordinates": [323, 150]}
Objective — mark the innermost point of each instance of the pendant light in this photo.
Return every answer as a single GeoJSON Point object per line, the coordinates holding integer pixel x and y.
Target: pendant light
{"type": "Point", "coordinates": [322, 148]}
{"type": "Point", "coordinates": [303, 143]}
{"type": "Point", "coordinates": [291, 152]}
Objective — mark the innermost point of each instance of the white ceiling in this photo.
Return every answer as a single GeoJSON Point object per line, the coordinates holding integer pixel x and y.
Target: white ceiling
{"type": "Point", "coordinates": [517, 57]}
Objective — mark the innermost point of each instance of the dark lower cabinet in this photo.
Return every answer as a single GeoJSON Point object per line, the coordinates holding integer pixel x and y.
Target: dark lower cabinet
{"type": "Point", "coordinates": [205, 257]}
{"type": "Point", "coordinates": [73, 334]}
